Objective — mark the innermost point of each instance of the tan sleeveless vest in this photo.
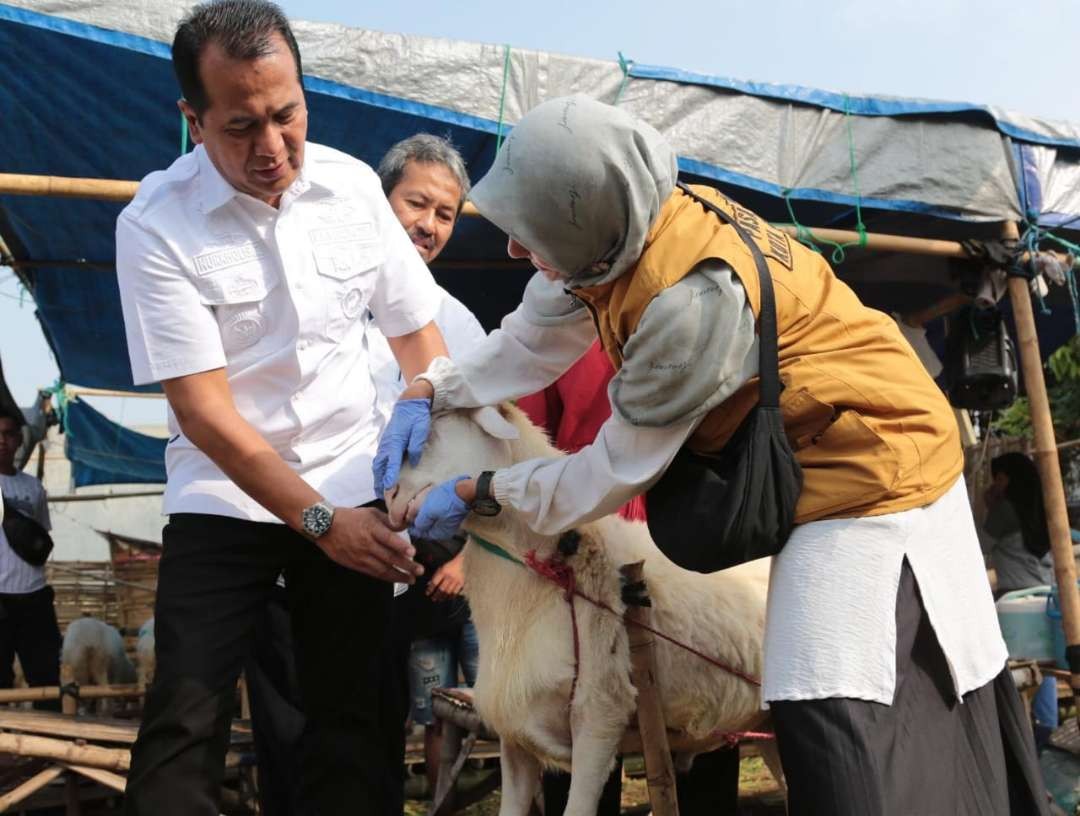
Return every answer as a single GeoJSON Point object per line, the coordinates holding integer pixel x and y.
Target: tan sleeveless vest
{"type": "Point", "coordinates": [870, 428]}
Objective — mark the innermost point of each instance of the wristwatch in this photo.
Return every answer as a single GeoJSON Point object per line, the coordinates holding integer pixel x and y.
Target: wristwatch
{"type": "Point", "coordinates": [316, 520]}
{"type": "Point", "coordinates": [484, 504]}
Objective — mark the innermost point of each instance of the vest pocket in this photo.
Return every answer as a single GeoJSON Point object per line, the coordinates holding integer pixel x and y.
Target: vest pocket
{"type": "Point", "coordinates": [847, 466]}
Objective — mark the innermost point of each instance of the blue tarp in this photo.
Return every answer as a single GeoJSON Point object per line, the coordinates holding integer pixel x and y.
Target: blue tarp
{"type": "Point", "coordinates": [86, 100]}
{"type": "Point", "coordinates": [102, 452]}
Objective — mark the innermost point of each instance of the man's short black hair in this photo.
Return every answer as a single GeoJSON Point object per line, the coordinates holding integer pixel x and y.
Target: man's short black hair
{"type": "Point", "coordinates": [243, 29]}
{"type": "Point", "coordinates": [14, 414]}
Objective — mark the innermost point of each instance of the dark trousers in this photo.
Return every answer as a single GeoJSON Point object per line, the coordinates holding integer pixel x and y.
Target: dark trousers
{"type": "Point", "coordinates": [215, 577]}
{"type": "Point", "coordinates": [277, 715]}
{"type": "Point", "coordinates": [709, 788]}
{"type": "Point", "coordinates": [925, 754]}
{"type": "Point", "coordinates": [28, 628]}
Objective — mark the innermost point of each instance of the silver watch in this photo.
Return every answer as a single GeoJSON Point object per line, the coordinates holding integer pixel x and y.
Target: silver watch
{"type": "Point", "coordinates": [317, 519]}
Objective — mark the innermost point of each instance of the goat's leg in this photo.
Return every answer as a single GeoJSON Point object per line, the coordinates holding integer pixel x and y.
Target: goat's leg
{"type": "Point", "coordinates": [520, 779]}
{"type": "Point", "coordinates": [590, 765]}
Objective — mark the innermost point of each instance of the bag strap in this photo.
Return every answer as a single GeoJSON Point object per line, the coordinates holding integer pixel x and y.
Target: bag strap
{"type": "Point", "coordinates": [768, 359]}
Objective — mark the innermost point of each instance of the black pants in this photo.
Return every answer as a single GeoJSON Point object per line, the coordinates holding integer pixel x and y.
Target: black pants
{"type": "Point", "coordinates": [709, 788]}
{"type": "Point", "coordinates": [215, 577]}
{"type": "Point", "coordinates": [28, 629]}
{"type": "Point", "coordinates": [277, 709]}
{"type": "Point", "coordinates": [926, 754]}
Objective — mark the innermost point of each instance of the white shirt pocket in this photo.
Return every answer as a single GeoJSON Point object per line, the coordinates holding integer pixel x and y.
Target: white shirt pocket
{"type": "Point", "coordinates": [347, 273]}
{"type": "Point", "coordinates": [238, 297]}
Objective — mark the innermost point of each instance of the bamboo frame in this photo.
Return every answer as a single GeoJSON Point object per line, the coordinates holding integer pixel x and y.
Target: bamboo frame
{"type": "Point", "coordinates": [1046, 458]}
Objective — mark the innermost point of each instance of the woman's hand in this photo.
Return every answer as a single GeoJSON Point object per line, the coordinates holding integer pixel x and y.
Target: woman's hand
{"type": "Point", "coordinates": [406, 433]}
{"type": "Point", "coordinates": [444, 509]}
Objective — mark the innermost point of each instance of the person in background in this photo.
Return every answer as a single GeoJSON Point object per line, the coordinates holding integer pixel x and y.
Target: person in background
{"type": "Point", "coordinates": [28, 626]}
{"type": "Point", "coordinates": [572, 411]}
{"type": "Point", "coordinates": [426, 183]}
{"type": "Point", "coordinates": [1014, 533]}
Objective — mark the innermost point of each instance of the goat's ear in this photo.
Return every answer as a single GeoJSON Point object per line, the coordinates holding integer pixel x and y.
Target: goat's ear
{"type": "Point", "coordinates": [494, 424]}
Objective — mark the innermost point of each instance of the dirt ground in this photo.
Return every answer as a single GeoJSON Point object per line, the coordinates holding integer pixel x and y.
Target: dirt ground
{"type": "Point", "coordinates": [758, 795]}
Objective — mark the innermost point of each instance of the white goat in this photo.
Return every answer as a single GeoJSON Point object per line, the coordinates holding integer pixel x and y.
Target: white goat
{"type": "Point", "coordinates": [95, 652]}
{"type": "Point", "coordinates": [146, 659]}
{"type": "Point", "coordinates": [526, 643]}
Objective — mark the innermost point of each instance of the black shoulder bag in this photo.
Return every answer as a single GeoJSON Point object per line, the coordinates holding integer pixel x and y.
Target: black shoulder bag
{"type": "Point", "coordinates": [708, 513]}
{"type": "Point", "coordinates": [30, 541]}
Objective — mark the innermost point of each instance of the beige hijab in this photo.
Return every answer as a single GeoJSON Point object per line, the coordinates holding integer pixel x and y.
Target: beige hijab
{"type": "Point", "coordinates": [579, 183]}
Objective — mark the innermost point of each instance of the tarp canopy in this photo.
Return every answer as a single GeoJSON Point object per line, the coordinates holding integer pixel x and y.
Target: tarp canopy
{"type": "Point", "coordinates": [102, 452]}
{"type": "Point", "coordinates": [90, 92]}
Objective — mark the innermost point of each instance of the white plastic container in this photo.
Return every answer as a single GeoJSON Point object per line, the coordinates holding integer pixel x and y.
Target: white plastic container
{"type": "Point", "coordinates": [1028, 632]}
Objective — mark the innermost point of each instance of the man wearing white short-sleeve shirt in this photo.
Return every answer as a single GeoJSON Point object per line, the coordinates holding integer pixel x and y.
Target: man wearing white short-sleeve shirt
{"type": "Point", "coordinates": [246, 270]}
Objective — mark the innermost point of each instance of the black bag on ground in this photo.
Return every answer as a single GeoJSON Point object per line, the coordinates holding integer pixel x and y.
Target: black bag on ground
{"type": "Point", "coordinates": [30, 541]}
{"type": "Point", "coordinates": [707, 513]}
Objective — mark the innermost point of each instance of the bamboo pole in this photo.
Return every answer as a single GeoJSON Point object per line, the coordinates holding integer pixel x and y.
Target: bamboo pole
{"type": "Point", "coordinates": [61, 187]}
{"type": "Point", "coordinates": [29, 788]}
{"type": "Point", "coordinates": [71, 795]}
{"type": "Point", "coordinates": [111, 759]}
{"type": "Point", "coordinates": [106, 778]}
{"type": "Point", "coordinates": [37, 693]}
{"type": "Point", "coordinates": [660, 773]}
{"type": "Point", "coordinates": [1046, 458]}
{"type": "Point", "coordinates": [122, 190]}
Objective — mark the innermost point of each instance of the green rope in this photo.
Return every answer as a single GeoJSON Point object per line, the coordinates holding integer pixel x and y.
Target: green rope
{"type": "Point", "coordinates": [183, 134]}
{"type": "Point", "coordinates": [495, 549]}
{"type": "Point", "coordinates": [624, 66]}
{"type": "Point", "coordinates": [502, 96]}
{"type": "Point", "coordinates": [806, 236]}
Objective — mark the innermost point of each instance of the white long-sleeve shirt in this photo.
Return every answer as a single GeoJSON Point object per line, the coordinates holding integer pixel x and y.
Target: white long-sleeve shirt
{"type": "Point", "coordinates": [832, 601]}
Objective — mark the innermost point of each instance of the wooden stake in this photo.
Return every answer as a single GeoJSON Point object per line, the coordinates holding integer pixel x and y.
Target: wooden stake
{"type": "Point", "coordinates": [660, 773]}
{"type": "Point", "coordinates": [112, 759]}
{"type": "Point", "coordinates": [1046, 458]}
{"type": "Point", "coordinates": [28, 788]}
{"type": "Point", "coordinates": [71, 795]}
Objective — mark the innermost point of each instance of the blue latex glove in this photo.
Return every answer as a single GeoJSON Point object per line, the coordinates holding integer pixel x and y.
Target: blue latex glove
{"type": "Point", "coordinates": [441, 513]}
{"type": "Point", "coordinates": [406, 432]}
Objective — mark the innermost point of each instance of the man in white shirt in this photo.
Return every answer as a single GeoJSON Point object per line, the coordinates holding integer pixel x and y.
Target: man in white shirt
{"type": "Point", "coordinates": [28, 626]}
{"type": "Point", "coordinates": [425, 181]}
{"type": "Point", "coordinates": [246, 271]}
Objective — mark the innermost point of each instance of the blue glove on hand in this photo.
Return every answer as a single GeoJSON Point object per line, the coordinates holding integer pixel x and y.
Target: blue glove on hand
{"type": "Point", "coordinates": [441, 513]}
{"type": "Point", "coordinates": [406, 432]}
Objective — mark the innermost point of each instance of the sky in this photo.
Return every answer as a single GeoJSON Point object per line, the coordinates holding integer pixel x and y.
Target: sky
{"type": "Point", "coordinates": [1020, 56]}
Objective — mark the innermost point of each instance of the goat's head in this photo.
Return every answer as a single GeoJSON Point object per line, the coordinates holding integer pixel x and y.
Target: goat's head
{"type": "Point", "coordinates": [467, 442]}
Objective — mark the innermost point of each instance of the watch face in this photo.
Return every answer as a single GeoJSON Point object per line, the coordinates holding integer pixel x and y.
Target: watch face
{"type": "Point", "coordinates": [486, 507]}
{"type": "Point", "coordinates": [316, 519]}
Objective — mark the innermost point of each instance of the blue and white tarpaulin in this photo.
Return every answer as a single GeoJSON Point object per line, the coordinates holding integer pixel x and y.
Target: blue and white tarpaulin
{"type": "Point", "coordinates": [89, 92]}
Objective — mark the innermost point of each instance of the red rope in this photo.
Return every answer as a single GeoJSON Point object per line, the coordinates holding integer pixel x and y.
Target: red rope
{"type": "Point", "coordinates": [562, 575]}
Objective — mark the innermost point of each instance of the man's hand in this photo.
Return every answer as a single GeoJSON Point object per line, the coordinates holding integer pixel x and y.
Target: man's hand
{"type": "Point", "coordinates": [363, 540]}
{"type": "Point", "coordinates": [406, 433]}
{"type": "Point", "coordinates": [448, 580]}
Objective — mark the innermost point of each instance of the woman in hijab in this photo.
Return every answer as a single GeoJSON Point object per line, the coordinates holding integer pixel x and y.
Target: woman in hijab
{"type": "Point", "coordinates": [1014, 532]}
{"type": "Point", "coordinates": [880, 620]}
